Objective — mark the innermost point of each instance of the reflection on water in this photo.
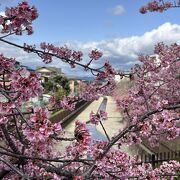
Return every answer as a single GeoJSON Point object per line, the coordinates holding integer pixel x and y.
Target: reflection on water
{"type": "Point", "coordinates": [96, 135]}
{"type": "Point", "coordinates": [131, 150]}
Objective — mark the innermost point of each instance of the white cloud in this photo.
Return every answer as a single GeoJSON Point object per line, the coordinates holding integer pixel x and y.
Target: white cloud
{"type": "Point", "coordinates": [121, 52]}
{"type": "Point", "coordinates": [118, 10]}
{"type": "Point", "coordinates": [2, 13]}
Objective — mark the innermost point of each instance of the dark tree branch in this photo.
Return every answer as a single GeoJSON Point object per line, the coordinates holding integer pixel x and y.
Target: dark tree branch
{"type": "Point", "coordinates": [44, 159]}
{"type": "Point", "coordinates": [15, 169]}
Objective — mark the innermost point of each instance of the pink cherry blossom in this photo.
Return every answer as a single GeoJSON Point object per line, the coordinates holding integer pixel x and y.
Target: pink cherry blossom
{"type": "Point", "coordinates": [68, 103]}
{"type": "Point", "coordinates": [96, 118]}
{"type": "Point", "coordinates": [17, 19]}
{"type": "Point", "coordinates": [95, 54]}
{"type": "Point", "coordinates": [29, 139]}
{"type": "Point", "coordinates": [157, 5]}
{"type": "Point", "coordinates": [3, 120]}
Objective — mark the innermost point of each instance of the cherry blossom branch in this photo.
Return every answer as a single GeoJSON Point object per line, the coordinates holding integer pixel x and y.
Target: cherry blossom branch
{"type": "Point", "coordinates": [158, 6]}
{"type": "Point", "coordinates": [149, 113]}
{"type": "Point", "coordinates": [10, 33]}
{"type": "Point", "coordinates": [18, 132]}
{"type": "Point", "coordinates": [18, 110]}
{"type": "Point", "coordinates": [123, 132]}
{"type": "Point", "coordinates": [45, 159]}
{"type": "Point", "coordinates": [103, 108]}
{"type": "Point", "coordinates": [51, 54]}
{"type": "Point", "coordinates": [9, 140]}
{"type": "Point", "coordinates": [58, 171]}
{"type": "Point", "coordinates": [39, 52]}
{"type": "Point", "coordinates": [106, 149]}
{"type": "Point", "coordinates": [62, 139]}
{"type": "Point", "coordinates": [104, 130]}
{"type": "Point", "coordinates": [8, 150]}
{"type": "Point", "coordinates": [15, 169]}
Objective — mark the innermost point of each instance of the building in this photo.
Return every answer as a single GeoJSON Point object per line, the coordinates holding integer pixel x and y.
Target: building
{"type": "Point", "coordinates": [74, 84]}
{"type": "Point", "coordinates": [49, 72]}
{"type": "Point", "coordinates": [119, 79]}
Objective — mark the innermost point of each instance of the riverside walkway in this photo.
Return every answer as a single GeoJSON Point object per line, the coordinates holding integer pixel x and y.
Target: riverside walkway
{"type": "Point", "coordinates": [113, 124]}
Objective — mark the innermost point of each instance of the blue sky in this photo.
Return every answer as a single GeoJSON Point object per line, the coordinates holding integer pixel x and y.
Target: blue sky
{"type": "Point", "coordinates": [102, 23]}
{"type": "Point", "coordinates": [90, 20]}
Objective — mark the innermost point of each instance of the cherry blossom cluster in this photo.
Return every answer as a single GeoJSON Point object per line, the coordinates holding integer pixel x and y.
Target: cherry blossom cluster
{"type": "Point", "coordinates": [80, 147]}
{"type": "Point", "coordinates": [18, 19]}
{"type": "Point", "coordinates": [95, 118]}
{"type": "Point", "coordinates": [155, 93]}
{"type": "Point", "coordinates": [5, 108]}
{"type": "Point", "coordinates": [28, 138]}
{"type": "Point", "coordinates": [168, 168]}
{"type": "Point", "coordinates": [81, 133]}
{"type": "Point", "coordinates": [115, 163]}
{"type": "Point", "coordinates": [129, 139]}
{"type": "Point", "coordinates": [95, 54]}
{"type": "Point", "coordinates": [97, 148]}
{"type": "Point", "coordinates": [61, 52]}
{"type": "Point", "coordinates": [67, 102]}
{"type": "Point", "coordinates": [146, 171]}
{"type": "Point", "coordinates": [158, 5]}
{"type": "Point", "coordinates": [40, 127]}
{"type": "Point", "coordinates": [6, 64]}
{"type": "Point", "coordinates": [103, 84]}
{"type": "Point", "coordinates": [3, 120]}
{"type": "Point", "coordinates": [26, 83]}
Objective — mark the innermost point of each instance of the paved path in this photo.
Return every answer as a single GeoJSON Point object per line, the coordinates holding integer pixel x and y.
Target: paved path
{"type": "Point", "coordinates": [113, 124]}
{"type": "Point", "coordinates": [83, 117]}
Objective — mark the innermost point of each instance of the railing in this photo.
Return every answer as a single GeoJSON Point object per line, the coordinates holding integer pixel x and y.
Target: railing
{"type": "Point", "coordinates": [62, 116]}
{"type": "Point", "coordinates": [156, 159]}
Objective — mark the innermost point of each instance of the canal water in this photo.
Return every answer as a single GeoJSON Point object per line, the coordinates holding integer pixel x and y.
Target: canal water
{"type": "Point", "coordinates": [96, 135]}
{"type": "Point", "coordinates": [112, 125]}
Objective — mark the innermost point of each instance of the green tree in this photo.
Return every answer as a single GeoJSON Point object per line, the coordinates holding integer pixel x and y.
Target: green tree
{"type": "Point", "coordinates": [62, 82]}
{"type": "Point", "coordinates": [57, 83]}
{"type": "Point", "coordinates": [60, 92]}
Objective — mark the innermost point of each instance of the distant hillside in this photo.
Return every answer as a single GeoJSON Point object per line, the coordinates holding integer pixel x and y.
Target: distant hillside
{"type": "Point", "coordinates": [86, 78]}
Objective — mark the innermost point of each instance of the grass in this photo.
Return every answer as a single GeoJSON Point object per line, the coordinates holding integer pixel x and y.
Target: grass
{"type": "Point", "coordinates": [56, 113]}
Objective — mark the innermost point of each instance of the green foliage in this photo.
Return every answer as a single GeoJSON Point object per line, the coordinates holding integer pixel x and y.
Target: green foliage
{"type": "Point", "coordinates": [62, 82]}
{"type": "Point", "coordinates": [60, 93]}
{"type": "Point", "coordinates": [58, 85]}
{"type": "Point", "coordinates": [76, 83]}
{"type": "Point", "coordinates": [56, 113]}
{"type": "Point", "coordinates": [48, 86]}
